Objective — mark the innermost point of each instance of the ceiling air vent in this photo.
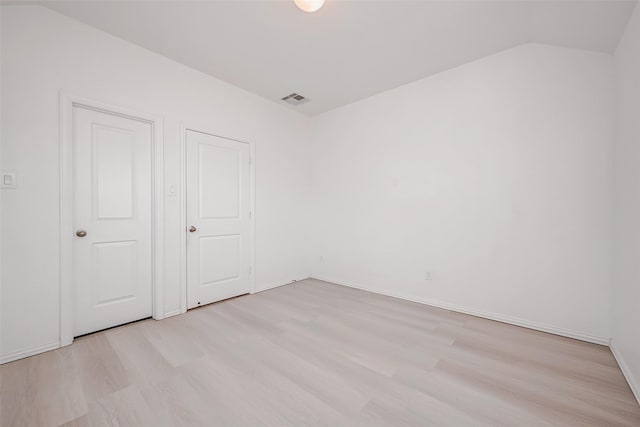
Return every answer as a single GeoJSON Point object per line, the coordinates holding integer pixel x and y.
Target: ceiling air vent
{"type": "Point", "coordinates": [295, 99]}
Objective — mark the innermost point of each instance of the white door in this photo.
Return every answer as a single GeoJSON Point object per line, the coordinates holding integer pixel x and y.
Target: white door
{"type": "Point", "coordinates": [112, 253]}
{"type": "Point", "coordinates": [218, 230]}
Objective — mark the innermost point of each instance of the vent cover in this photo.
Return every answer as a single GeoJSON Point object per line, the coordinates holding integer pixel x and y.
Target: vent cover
{"type": "Point", "coordinates": [295, 99]}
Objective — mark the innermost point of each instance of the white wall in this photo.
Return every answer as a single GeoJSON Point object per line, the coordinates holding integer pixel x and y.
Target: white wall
{"type": "Point", "coordinates": [494, 176]}
{"type": "Point", "coordinates": [44, 52]}
{"type": "Point", "coordinates": [626, 295]}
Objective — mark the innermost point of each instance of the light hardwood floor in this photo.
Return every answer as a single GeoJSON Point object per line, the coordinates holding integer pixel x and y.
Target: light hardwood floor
{"type": "Point", "coordinates": [317, 354]}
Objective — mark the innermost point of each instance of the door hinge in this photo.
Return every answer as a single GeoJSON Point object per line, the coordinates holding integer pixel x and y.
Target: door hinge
{"type": "Point", "coordinates": [250, 214]}
{"type": "Point", "coordinates": [250, 270]}
{"type": "Point", "coordinates": [250, 159]}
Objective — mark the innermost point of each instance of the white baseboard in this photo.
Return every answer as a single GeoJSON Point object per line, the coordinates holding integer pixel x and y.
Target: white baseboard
{"type": "Point", "coordinates": [485, 314]}
{"type": "Point", "coordinates": [266, 288]}
{"type": "Point", "coordinates": [172, 313]}
{"type": "Point", "coordinates": [626, 371]}
{"type": "Point", "coordinates": [10, 357]}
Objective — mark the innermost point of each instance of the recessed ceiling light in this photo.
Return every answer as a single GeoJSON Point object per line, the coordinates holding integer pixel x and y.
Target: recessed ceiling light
{"type": "Point", "coordinates": [309, 5]}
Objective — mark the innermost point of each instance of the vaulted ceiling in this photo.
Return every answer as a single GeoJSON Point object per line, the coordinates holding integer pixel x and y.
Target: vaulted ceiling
{"type": "Point", "coordinates": [348, 50]}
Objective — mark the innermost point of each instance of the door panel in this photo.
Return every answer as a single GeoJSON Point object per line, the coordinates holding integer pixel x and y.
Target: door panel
{"type": "Point", "coordinates": [219, 258]}
{"type": "Point", "coordinates": [113, 172]}
{"type": "Point", "coordinates": [115, 274]}
{"type": "Point", "coordinates": [218, 250]}
{"type": "Point", "coordinates": [113, 203]}
{"type": "Point", "coordinates": [219, 182]}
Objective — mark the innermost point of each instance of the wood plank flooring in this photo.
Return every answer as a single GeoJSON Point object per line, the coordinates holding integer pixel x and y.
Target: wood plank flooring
{"type": "Point", "coordinates": [318, 354]}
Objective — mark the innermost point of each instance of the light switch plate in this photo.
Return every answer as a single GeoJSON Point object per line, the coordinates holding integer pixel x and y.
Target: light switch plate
{"type": "Point", "coordinates": [8, 180]}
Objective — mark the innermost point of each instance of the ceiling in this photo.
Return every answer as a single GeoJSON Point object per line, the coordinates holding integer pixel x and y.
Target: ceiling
{"type": "Point", "coordinates": [348, 50]}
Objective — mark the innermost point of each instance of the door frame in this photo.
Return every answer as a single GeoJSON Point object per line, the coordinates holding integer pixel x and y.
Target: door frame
{"type": "Point", "coordinates": [183, 128]}
{"type": "Point", "coordinates": [67, 103]}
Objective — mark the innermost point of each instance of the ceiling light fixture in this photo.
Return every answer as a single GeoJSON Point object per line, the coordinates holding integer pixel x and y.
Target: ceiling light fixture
{"type": "Point", "coordinates": [309, 5]}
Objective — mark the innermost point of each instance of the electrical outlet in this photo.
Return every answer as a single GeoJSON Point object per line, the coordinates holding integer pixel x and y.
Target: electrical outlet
{"type": "Point", "coordinates": [427, 275]}
{"type": "Point", "coordinates": [321, 258]}
{"type": "Point", "coordinates": [8, 180]}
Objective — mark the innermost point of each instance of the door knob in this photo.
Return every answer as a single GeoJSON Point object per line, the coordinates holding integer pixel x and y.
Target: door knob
{"type": "Point", "coordinates": [81, 233]}
{"type": "Point", "coordinates": [192, 229]}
